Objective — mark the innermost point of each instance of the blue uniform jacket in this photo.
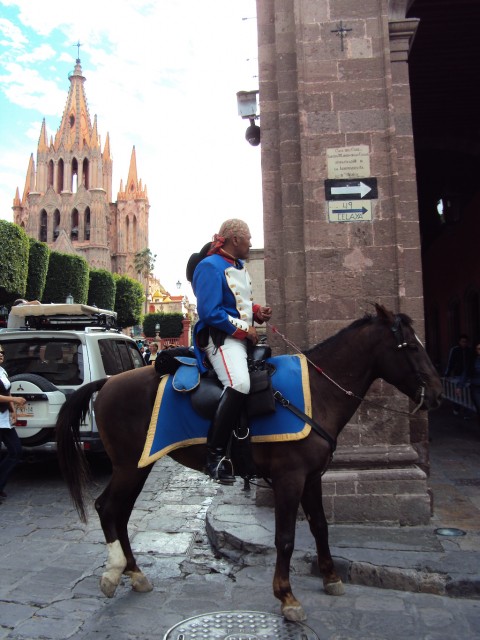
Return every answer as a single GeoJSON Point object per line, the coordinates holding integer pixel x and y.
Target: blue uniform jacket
{"type": "Point", "coordinates": [224, 299]}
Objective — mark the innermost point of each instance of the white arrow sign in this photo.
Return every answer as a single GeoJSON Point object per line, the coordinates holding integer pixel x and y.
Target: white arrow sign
{"type": "Point", "coordinates": [360, 188]}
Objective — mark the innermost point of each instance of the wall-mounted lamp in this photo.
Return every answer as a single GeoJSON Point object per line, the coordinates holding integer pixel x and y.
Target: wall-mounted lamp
{"type": "Point", "coordinates": [69, 299]}
{"type": "Point", "coordinates": [247, 109]}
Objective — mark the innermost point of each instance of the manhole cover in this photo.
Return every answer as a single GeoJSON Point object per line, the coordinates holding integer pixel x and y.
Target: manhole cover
{"type": "Point", "coordinates": [239, 625]}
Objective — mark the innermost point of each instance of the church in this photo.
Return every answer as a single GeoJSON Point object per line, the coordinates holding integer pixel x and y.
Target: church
{"type": "Point", "coordinates": [67, 200]}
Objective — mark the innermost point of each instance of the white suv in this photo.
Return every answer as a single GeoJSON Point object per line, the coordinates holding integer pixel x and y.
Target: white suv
{"type": "Point", "coordinates": [51, 350]}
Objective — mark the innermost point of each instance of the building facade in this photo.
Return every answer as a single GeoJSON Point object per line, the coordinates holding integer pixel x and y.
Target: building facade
{"type": "Point", "coordinates": [335, 114]}
{"type": "Point", "coordinates": [67, 199]}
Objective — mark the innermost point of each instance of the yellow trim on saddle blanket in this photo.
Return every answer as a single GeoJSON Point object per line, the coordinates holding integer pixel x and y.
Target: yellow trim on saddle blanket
{"type": "Point", "coordinates": [261, 425]}
{"type": "Point", "coordinates": [146, 459]}
{"type": "Point", "coordinates": [299, 435]}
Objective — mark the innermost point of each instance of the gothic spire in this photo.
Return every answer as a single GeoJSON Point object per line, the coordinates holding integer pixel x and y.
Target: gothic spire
{"type": "Point", "coordinates": [75, 130]}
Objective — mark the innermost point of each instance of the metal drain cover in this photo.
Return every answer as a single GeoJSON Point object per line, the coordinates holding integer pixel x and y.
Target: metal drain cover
{"type": "Point", "coordinates": [239, 625]}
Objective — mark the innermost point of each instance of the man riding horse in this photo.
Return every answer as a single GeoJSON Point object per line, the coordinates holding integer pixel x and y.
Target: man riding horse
{"type": "Point", "coordinates": [226, 311]}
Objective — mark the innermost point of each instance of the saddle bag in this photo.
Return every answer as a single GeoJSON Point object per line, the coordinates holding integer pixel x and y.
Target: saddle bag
{"type": "Point", "coordinates": [260, 400]}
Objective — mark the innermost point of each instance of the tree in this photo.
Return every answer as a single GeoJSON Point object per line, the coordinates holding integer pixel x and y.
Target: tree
{"type": "Point", "coordinates": [13, 261]}
{"type": "Point", "coordinates": [144, 262]}
{"type": "Point", "coordinates": [67, 275]}
{"type": "Point", "coordinates": [128, 301]}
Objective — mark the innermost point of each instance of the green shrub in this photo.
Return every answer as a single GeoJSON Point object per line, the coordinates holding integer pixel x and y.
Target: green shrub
{"type": "Point", "coordinates": [101, 289]}
{"type": "Point", "coordinates": [13, 261]}
{"type": "Point", "coordinates": [67, 275]}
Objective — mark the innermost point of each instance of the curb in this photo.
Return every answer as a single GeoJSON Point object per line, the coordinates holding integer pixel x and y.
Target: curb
{"type": "Point", "coordinates": [401, 558]}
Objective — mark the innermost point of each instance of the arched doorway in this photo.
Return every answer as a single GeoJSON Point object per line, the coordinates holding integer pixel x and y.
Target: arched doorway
{"type": "Point", "coordinates": [444, 67]}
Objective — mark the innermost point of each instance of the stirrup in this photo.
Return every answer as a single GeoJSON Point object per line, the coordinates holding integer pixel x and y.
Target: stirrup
{"type": "Point", "coordinates": [216, 470]}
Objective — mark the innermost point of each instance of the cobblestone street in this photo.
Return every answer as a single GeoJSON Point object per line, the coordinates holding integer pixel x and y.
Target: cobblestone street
{"type": "Point", "coordinates": [51, 564]}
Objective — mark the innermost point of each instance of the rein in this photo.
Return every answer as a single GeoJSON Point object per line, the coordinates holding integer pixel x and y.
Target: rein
{"type": "Point", "coordinates": [401, 344]}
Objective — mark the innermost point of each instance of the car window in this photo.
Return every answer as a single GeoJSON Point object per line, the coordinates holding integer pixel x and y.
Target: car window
{"type": "Point", "coordinates": [118, 356]}
{"type": "Point", "coordinates": [59, 361]}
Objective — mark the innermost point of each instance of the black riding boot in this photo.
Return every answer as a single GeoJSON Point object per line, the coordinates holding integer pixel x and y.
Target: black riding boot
{"type": "Point", "coordinates": [225, 420]}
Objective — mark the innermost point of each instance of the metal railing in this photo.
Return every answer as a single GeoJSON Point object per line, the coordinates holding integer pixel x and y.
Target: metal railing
{"type": "Point", "coordinates": [463, 398]}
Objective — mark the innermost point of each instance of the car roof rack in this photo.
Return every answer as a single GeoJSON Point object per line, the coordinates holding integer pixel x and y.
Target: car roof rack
{"type": "Point", "coordinates": [60, 316]}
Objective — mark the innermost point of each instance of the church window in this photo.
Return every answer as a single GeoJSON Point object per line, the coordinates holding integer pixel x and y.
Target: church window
{"type": "Point", "coordinates": [43, 226]}
{"type": "Point", "coordinates": [74, 231]}
{"type": "Point", "coordinates": [72, 120]}
{"type": "Point", "coordinates": [60, 172]}
{"type": "Point", "coordinates": [134, 235]}
{"type": "Point", "coordinates": [74, 182]}
{"type": "Point", "coordinates": [50, 174]}
{"type": "Point", "coordinates": [56, 224]}
{"type": "Point", "coordinates": [87, 223]}
{"type": "Point", "coordinates": [86, 180]}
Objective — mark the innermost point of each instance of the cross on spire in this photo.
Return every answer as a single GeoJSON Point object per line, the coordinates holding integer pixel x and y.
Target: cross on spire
{"type": "Point", "coordinates": [78, 45]}
{"type": "Point", "coordinates": [341, 31]}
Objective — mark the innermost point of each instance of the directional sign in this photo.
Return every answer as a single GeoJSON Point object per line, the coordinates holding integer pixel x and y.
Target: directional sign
{"type": "Point", "coordinates": [344, 189]}
{"type": "Point", "coordinates": [349, 211]}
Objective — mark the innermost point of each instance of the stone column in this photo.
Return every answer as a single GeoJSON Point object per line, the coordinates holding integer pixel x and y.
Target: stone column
{"type": "Point", "coordinates": [333, 105]}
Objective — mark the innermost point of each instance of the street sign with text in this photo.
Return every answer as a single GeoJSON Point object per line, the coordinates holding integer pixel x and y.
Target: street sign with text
{"type": "Point", "coordinates": [363, 188]}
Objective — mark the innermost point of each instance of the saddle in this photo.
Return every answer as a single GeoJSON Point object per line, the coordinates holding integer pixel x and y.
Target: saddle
{"type": "Point", "coordinates": [206, 389]}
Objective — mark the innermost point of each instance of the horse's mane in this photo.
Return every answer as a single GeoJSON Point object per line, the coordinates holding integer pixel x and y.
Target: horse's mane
{"type": "Point", "coordinates": [368, 318]}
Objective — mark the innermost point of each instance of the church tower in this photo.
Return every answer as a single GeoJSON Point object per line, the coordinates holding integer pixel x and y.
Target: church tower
{"type": "Point", "coordinates": [67, 199]}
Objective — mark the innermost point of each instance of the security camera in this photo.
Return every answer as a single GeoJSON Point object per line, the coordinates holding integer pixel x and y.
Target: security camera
{"type": "Point", "coordinates": [252, 134]}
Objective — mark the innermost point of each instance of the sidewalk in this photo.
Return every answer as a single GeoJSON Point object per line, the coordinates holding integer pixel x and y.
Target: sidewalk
{"type": "Point", "coordinates": [412, 559]}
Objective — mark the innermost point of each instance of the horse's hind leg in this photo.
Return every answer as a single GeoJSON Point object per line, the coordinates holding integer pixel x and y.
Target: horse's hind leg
{"type": "Point", "coordinates": [313, 507]}
{"type": "Point", "coordinates": [114, 507]}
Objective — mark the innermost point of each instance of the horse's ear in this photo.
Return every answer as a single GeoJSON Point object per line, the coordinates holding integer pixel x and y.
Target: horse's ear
{"type": "Point", "coordinates": [383, 313]}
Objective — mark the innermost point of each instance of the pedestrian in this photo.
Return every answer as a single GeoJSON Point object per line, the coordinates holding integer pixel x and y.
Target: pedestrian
{"type": "Point", "coordinates": [475, 381]}
{"type": "Point", "coordinates": [151, 356]}
{"type": "Point", "coordinates": [8, 434]}
{"type": "Point", "coordinates": [460, 363]}
{"type": "Point", "coordinates": [226, 311]}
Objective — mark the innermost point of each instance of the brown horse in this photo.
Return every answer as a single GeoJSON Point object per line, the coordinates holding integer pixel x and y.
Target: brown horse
{"type": "Point", "coordinates": [380, 346]}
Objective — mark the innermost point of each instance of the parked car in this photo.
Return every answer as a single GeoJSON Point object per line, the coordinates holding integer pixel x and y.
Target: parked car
{"type": "Point", "coordinates": [53, 349]}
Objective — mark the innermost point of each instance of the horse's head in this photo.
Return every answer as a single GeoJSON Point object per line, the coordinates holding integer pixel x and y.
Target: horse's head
{"type": "Point", "coordinates": [404, 361]}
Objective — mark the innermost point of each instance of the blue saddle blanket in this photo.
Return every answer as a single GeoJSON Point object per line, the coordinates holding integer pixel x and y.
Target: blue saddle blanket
{"type": "Point", "coordinates": [175, 424]}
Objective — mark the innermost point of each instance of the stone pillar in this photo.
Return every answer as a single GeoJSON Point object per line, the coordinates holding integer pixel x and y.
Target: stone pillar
{"type": "Point", "coordinates": [337, 106]}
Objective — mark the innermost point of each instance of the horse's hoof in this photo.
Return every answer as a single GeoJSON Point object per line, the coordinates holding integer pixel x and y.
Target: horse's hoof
{"type": "Point", "coordinates": [140, 582]}
{"type": "Point", "coordinates": [294, 613]}
{"type": "Point", "coordinates": [108, 587]}
{"type": "Point", "coordinates": [335, 588]}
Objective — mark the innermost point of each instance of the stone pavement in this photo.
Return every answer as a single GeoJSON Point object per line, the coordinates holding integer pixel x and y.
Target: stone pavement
{"type": "Point", "coordinates": [407, 558]}
{"type": "Point", "coordinates": [50, 563]}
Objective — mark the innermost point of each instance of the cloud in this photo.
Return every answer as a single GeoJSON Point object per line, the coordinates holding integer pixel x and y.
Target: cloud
{"type": "Point", "coordinates": [162, 76]}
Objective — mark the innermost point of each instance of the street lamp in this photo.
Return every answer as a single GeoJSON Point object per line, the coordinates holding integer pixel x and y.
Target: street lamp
{"type": "Point", "coordinates": [157, 330]}
{"type": "Point", "coordinates": [247, 109]}
{"type": "Point", "coordinates": [69, 299]}
{"type": "Point", "coordinates": [179, 284]}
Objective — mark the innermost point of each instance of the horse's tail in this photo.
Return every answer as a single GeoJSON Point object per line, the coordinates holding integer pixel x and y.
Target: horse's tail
{"type": "Point", "coordinates": [71, 457]}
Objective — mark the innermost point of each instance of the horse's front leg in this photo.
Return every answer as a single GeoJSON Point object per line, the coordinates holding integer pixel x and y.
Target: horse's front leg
{"type": "Point", "coordinates": [287, 491]}
{"type": "Point", "coordinates": [313, 507]}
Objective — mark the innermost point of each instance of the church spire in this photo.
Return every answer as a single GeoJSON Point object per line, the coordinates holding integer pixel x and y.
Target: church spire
{"type": "Point", "coordinates": [133, 188]}
{"type": "Point", "coordinates": [75, 130]}
{"type": "Point", "coordinates": [43, 140]}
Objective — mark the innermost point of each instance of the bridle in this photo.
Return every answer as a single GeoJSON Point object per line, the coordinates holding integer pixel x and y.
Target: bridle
{"type": "Point", "coordinates": [402, 344]}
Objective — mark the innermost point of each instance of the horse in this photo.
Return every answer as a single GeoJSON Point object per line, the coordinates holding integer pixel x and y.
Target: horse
{"type": "Point", "coordinates": [341, 369]}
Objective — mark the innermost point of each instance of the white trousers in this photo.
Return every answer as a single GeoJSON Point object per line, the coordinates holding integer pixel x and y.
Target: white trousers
{"type": "Point", "coordinates": [230, 363]}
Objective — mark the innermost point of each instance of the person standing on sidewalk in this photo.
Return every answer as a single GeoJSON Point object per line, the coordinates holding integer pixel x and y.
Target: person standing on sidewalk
{"type": "Point", "coordinates": [475, 381]}
{"type": "Point", "coordinates": [226, 312]}
{"type": "Point", "coordinates": [460, 362]}
{"type": "Point", "coordinates": [8, 434]}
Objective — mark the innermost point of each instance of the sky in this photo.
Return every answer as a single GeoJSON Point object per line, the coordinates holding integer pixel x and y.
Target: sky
{"type": "Point", "coordinates": [161, 75]}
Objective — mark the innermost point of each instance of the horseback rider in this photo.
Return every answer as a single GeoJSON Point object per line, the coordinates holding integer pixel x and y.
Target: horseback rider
{"type": "Point", "coordinates": [223, 289]}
